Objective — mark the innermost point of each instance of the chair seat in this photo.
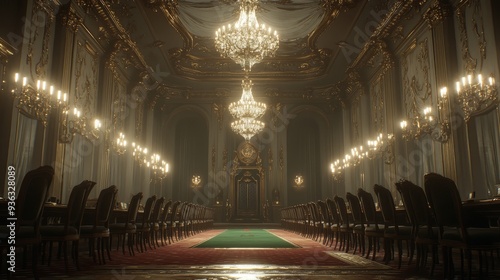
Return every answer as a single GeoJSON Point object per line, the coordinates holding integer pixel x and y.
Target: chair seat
{"type": "Point", "coordinates": [424, 233]}
{"type": "Point", "coordinates": [24, 232]}
{"type": "Point", "coordinates": [476, 236]}
{"type": "Point", "coordinates": [122, 226]}
{"type": "Point", "coordinates": [402, 230]}
{"type": "Point", "coordinates": [57, 230]}
{"type": "Point", "coordinates": [374, 228]}
{"type": "Point", "coordinates": [91, 230]}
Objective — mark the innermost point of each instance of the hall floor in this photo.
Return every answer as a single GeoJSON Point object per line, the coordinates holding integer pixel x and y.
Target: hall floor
{"type": "Point", "coordinates": [181, 260]}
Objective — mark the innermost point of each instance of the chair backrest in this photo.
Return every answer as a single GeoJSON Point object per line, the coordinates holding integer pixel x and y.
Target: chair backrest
{"type": "Point", "coordinates": [32, 195]}
{"type": "Point", "coordinates": [332, 210]}
{"type": "Point", "coordinates": [166, 209]}
{"type": "Point", "coordinates": [444, 199]}
{"type": "Point", "coordinates": [173, 213]}
{"type": "Point", "coordinates": [342, 209]}
{"type": "Point", "coordinates": [148, 209]}
{"type": "Point", "coordinates": [104, 206]}
{"type": "Point", "coordinates": [357, 213]}
{"type": "Point", "coordinates": [386, 203]}
{"type": "Point", "coordinates": [369, 209]}
{"type": "Point", "coordinates": [76, 203]}
{"type": "Point", "coordinates": [155, 215]}
{"type": "Point", "coordinates": [133, 207]}
{"type": "Point", "coordinates": [324, 211]}
{"type": "Point", "coordinates": [404, 189]}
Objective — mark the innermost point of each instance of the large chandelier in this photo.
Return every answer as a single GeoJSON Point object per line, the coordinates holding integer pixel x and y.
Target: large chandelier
{"type": "Point", "coordinates": [246, 42]}
{"type": "Point", "coordinates": [246, 111]}
{"type": "Point", "coordinates": [247, 107]}
{"type": "Point", "coordinates": [247, 127]}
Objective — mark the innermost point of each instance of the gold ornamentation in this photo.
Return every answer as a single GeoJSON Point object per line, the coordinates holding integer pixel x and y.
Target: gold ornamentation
{"type": "Point", "coordinates": [219, 111]}
{"type": "Point", "coordinates": [213, 158]}
{"type": "Point", "coordinates": [71, 20]}
{"type": "Point", "coordinates": [247, 153]}
{"type": "Point", "coordinates": [282, 159]}
{"type": "Point", "coordinates": [224, 159]}
{"type": "Point", "coordinates": [437, 12]}
{"type": "Point", "coordinates": [270, 159]}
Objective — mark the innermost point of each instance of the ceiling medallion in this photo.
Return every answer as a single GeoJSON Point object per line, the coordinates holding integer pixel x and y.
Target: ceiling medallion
{"type": "Point", "coordinates": [246, 42]}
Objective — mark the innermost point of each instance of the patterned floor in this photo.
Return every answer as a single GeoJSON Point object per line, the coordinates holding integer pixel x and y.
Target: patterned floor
{"type": "Point", "coordinates": [180, 261]}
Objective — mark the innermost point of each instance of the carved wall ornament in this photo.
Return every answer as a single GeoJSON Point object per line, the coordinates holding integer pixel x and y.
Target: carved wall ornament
{"type": "Point", "coordinates": [224, 159]}
{"type": "Point", "coordinates": [282, 159]}
{"type": "Point", "coordinates": [42, 19]}
{"type": "Point", "coordinates": [377, 101]}
{"type": "Point", "coordinates": [219, 110]}
{"type": "Point", "coordinates": [437, 12]}
{"type": "Point", "coordinates": [476, 20]}
{"type": "Point", "coordinates": [417, 89]}
{"type": "Point", "coordinates": [270, 159]}
{"type": "Point", "coordinates": [70, 19]}
{"type": "Point", "coordinates": [247, 153]}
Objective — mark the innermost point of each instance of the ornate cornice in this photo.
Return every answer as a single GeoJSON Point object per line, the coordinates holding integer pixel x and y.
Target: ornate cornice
{"type": "Point", "coordinates": [70, 19]}
{"type": "Point", "coordinates": [437, 12]}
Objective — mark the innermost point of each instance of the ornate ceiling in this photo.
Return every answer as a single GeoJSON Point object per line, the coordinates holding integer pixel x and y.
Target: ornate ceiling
{"type": "Point", "coordinates": [176, 40]}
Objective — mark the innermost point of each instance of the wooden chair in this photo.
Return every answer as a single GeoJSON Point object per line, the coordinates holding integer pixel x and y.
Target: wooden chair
{"type": "Point", "coordinates": [425, 232]}
{"type": "Point", "coordinates": [334, 222]}
{"type": "Point", "coordinates": [345, 226]}
{"type": "Point", "coordinates": [69, 229]}
{"type": "Point", "coordinates": [394, 230]}
{"type": "Point", "coordinates": [128, 228]}
{"type": "Point", "coordinates": [445, 202]}
{"type": "Point", "coordinates": [358, 228]}
{"type": "Point", "coordinates": [144, 226]}
{"type": "Point", "coordinates": [155, 221]}
{"type": "Point", "coordinates": [373, 225]}
{"type": "Point", "coordinates": [163, 222]}
{"type": "Point", "coordinates": [32, 195]}
{"type": "Point", "coordinates": [98, 232]}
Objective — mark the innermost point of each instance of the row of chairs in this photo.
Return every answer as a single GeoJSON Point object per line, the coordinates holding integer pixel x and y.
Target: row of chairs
{"type": "Point", "coordinates": [170, 221]}
{"type": "Point", "coordinates": [431, 219]}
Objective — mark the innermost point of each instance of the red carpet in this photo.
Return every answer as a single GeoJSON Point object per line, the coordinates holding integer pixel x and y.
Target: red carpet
{"type": "Point", "coordinates": [181, 256]}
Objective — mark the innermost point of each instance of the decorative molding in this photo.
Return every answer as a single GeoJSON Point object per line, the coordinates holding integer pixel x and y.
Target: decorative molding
{"type": "Point", "coordinates": [213, 158]}
{"type": "Point", "coordinates": [219, 110]}
{"type": "Point", "coordinates": [224, 159]}
{"type": "Point", "coordinates": [270, 159]}
{"type": "Point", "coordinates": [70, 19]}
{"type": "Point", "coordinates": [471, 64]}
{"type": "Point", "coordinates": [437, 12]}
{"type": "Point", "coordinates": [417, 90]}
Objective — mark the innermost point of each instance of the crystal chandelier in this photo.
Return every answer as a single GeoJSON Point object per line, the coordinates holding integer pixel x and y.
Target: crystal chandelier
{"type": "Point", "coordinates": [246, 42]}
{"type": "Point", "coordinates": [247, 107]}
{"type": "Point", "coordinates": [247, 127]}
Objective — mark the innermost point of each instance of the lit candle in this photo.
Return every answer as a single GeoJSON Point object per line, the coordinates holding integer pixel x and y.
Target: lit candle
{"type": "Point", "coordinates": [469, 79]}
{"type": "Point", "coordinates": [16, 77]}
{"type": "Point", "coordinates": [444, 91]}
{"type": "Point", "coordinates": [58, 95]}
{"type": "Point", "coordinates": [51, 90]}
{"type": "Point", "coordinates": [463, 81]}
{"type": "Point", "coordinates": [38, 84]}
{"type": "Point", "coordinates": [458, 87]}
{"type": "Point", "coordinates": [490, 79]}
{"type": "Point", "coordinates": [65, 97]}
{"type": "Point", "coordinates": [25, 81]}
{"type": "Point", "coordinates": [480, 79]}
{"type": "Point", "coordinates": [44, 84]}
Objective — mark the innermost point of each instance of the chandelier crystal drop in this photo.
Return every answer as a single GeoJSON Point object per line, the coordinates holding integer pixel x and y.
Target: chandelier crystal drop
{"type": "Point", "coordinates": [247, 127]}
{"type": "Point", "coordinates": [247, 107]}
{"type": "Point", "coordinates": [246, 42]}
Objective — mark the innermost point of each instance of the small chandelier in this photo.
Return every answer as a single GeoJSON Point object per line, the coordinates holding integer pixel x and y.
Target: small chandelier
{"type": "Point", "coordinates": [299, 180]}
{"type": "Point", "coordinates": [247, 127]}
{"type": "Point", "coordinates": [195, 180]}
{"type": "Point", "coordinates": [246, 42]}
{"type": "Point", "coordinates": [476, 96]}
{"type": "Point", "coordinates": [247, 107]}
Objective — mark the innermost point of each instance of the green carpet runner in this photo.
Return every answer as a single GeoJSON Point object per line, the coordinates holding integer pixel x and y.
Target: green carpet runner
{"type": "Point", "coordinates": [246, 238]}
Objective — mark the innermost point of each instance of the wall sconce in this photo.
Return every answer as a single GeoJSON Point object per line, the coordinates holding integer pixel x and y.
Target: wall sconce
{"type": "Point", "coordinates": [381, 146]}
{"type": "Point", "coordinates": [337, 170]}
{"type": "Point", "coordinates": [37, 102]}
{"type": "Point", "coordinates": [476, 96]}
{"type": "Point", "coordinates": [120, 144]}
{"type": "Point", "coordinates": [299, 180]}
{"type": "Point", "coordinates": [195, 180]}
{"type": "Point", "coordinates": [427, 123]}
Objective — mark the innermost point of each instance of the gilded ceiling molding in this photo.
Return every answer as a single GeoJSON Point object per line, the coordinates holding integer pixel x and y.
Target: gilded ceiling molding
{"type": "Point", "coordinates": [70, 19]}
{"type": "Point", "coordinates": [338, 5]}
{"type": "Point", "coordinates": [397, 12]}
{"type": "Point", "coordinates": [118, 32]}
{"type": "Point", "coordinates": [437, 12]}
